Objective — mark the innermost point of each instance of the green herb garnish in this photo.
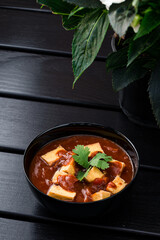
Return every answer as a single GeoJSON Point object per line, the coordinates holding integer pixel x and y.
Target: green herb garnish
{"type": "Point", "coordinates": [82, 174]}
{"type": "Point", "coordinates": [100, 160]}
{"type": "Point", "coordinates": [82, 155]}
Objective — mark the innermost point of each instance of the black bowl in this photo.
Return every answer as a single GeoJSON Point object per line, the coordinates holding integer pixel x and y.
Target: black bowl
{"type": "Point", "coordinates": [73, 209]}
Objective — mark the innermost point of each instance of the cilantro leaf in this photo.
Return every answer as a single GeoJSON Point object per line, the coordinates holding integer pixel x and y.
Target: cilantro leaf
{"type": "Point", "coordinates": [100, 161]}
{"type": "Point", "coordinates": [81, 156]}
{"type": "Point", "coordinates": [82, 174]}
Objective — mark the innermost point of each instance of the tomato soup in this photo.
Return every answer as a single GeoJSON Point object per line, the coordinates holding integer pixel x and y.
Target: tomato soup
{"type": "Point", "coordinates": [56, 171]}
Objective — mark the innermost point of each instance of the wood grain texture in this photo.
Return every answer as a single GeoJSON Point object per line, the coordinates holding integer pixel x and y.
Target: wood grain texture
{"type": "Point", "coordinates": [23, 120]}
{"type": "Point", "coordinates": [17, 198]}
{"type": "Point", "coordinates": [32, 29]}
{"type": "Point", "coordinates": [17, 230]}
{"type": "Point", "coordinates": [52, 77]}
{"type": "Point", "coordinates": [27, 76]}
{"type": "Point", "coordinates": [21, 3]}
{"type": "Point", "coordinates": [39, 30]}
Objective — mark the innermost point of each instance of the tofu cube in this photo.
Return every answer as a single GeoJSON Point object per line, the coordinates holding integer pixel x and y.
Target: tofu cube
{"type": "Point", "coordinates": [69, 168]}
{"type": "Point", "coordinates": [95, 147]}
{"type": "Point", "coordinates": [56, 174]}
{"type": "Point", "coordinates": [52, 156]}
{"type": "Point", "coordinates": [116, 185]}
{"type": "Point", "coordinates": [58, 192]}
{"type": "Point", "coordinates": [93, 174]}
{"type": "Point", "coordinates": [100, 195]}
{"type": "Point", "coordinates": [117, 166]}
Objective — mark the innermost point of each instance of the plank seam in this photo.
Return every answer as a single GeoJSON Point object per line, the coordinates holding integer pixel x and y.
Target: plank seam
{"type": "Point", "coordinates": [148, 167]}
{"type": "Point", "coordinates": [61, 101]}
{"type": "Point", "coordinates": [43, 51]}
{"type": "Point", "coordinates": [39, 10]}
{"type": "Point", "coordinates": [45, 220]}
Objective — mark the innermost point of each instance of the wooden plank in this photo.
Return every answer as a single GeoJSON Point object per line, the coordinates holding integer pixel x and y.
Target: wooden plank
{"type": "Point", "coordinates": [19, 195]}
{"type": "Point", "coordinates": [38, 30]}
{"type": "Point", "coordinates": [22, 3]}
{"type": "Point", "coordinates": [30, 29]}
{"type": "Point", "coordinates": [47, 77]}
{"type": "Point", "coordinates": [16, 230]}
{"type": "Point", "coordinates": [143, 201]}
{"type": "Point", "coordinates": [23, 120]}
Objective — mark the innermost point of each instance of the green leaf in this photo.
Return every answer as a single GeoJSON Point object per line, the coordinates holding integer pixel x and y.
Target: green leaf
{"type": "Point", "coordinates": [70, 17]}
{"type": "Point", "coordinates": [122, 77]}
{"type": "Point", "coordinates": [81, 156]}
{"type": "Point", "coordinates": [142, 44]}
{"type": "Point", "coordinates": [121, 16]}
{"type": "Point", "coordinates": [150, 64]}
{"type": "Point", "coordinates": [154, 51]}
{"type": "Point", "coordinates": [86, 3]}
{"type": "Point", "coordinates": [117, 59]}
{"type": "Point", "coordinates": [87, 40]}
{"type": "Point", "coordinates": [58, 7]}
{"type": "Point", "coordinates": [70, 23]}
{"type": "Point", "coordinates": [82, 174]}
{"type": "Point", "coordinates": [154, 92]}
{"type": "Point", "coordinates": [75, 10]}
{"type": "Point", "coordinates": [150, 21]}
{"type": "Point", "coordinates": [100, 161]}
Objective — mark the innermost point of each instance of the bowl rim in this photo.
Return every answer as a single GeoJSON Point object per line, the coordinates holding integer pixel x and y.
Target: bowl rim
{"type": "Point", "coordinates": [87, 124]}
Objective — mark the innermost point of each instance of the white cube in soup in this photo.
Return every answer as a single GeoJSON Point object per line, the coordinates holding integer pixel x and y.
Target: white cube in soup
{"type": "Point", "coordinates": [56, 174]}
{"type": "Point", "coordinates": [93, 174]}
{"type": "Point", "coordinates": [119, 166]}
{"type": "Point", "coordinates": [58, 192]}
{"type": "Point", "coordinates": [116, 185]}
{"type": "Point", "coordinates": [100, 195]}
{"type": "Point", "coordinates": [52, 156]}
{"type": "Point", "coordinates": [69, 168]}
{"type": "Point", "coordinates": [95, 147]}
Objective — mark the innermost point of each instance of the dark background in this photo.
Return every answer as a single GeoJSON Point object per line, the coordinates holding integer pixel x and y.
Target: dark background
{"type": "Point", "coordinates": [36, 94]}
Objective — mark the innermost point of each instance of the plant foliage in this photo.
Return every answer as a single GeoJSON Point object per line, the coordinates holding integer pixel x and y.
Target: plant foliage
{"type": "Point", "coordinates": [87, 40]}
{"type": "Point", "coordinates": [87, 4]}
{"type": "Point", "coordinates": [137, 25]}
{"type": "Point", "coordinates": [121, 16]}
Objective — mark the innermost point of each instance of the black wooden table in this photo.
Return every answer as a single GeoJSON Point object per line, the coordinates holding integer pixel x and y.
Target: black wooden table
{"type": "Point", "coordinates": [36, 94]}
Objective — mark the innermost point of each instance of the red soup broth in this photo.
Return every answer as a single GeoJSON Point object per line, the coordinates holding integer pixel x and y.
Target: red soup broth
{"type": "Point", "coordinates": [40, 173]}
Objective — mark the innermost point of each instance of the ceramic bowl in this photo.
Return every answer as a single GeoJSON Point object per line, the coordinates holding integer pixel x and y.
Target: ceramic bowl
{"type": "Point", "coordinates": [73, 209]}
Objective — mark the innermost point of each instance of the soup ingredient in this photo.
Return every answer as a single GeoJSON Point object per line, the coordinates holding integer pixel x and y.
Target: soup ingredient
{"type": "Point", "coordinates": [67, 182]}
{"type": "Point", "coordinates": [93, 174]}
{"type": "Point", "coordinates": [116, 185]}
{"type": "Point", "coordinates": [83, 174]}
{"type": "Point", "coordinates": [81, 156]}
{"type": "Point", "coordinates": [100, 160]}
{"type": "Point", "coordinates": [52, 156]}
{"type": "Point", "coordinates": [57, 174]}
{"type": "Point", "coordinates": [69, 168]}
{"type": "Point", "coordinates": [116, 167]}
{"type": "Point", "coordinates": [61, 178]}
{"type": "Point", "coordinates": [58, 192]}
{"type": "Point", "coordinates": [100, 195]}
{"type": "Point", "coordinates": [95, 147]}
{"type": "Point", "coordinates": [66, 169]}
